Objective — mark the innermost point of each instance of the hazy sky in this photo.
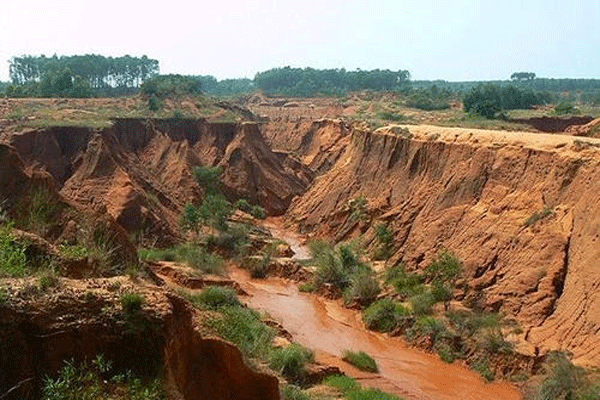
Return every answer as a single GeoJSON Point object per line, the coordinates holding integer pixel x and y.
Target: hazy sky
{"type": "Point", "coordinates": [452, 40]}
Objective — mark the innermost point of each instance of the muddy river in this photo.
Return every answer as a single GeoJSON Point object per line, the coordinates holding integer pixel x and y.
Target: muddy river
{"type": "Point", "coordinates": [329, 329]}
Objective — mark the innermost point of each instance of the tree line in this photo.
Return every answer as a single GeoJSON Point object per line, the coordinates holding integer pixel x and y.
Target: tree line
{"type": "Point", "coordinates": [79, 75]}
{"type": "Point", "coordinates": [310, 82]}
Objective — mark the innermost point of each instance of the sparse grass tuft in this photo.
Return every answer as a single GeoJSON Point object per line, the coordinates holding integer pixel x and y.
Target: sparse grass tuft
{"type": "Point", "coordinates": [13, 260]}
{"type": "Point", "coordinates": [360, 360]}
{"type": "Point", "coordinates": [546, 212]}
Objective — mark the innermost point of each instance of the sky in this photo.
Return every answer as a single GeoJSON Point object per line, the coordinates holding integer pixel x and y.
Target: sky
{"type": "Point", "coordinates": [452, 40]}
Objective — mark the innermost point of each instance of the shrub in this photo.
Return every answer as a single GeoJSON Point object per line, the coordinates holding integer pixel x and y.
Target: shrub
{"type": "Point", "coordinates": [422, 304]}
{"type": "Point", "coordinates": [482, 366]}
{"type": "Point", "coordinates": [258, 212]}
{"type": "Point", "coordinates": [358, 209]}
{"type": "Point", "coordinates": [169, 254]}
{"type": "Point", "coordinates": [132, 302]}
{"type": "Point", "coordinates": [446, 268]}
{"type": "Point", "coordinates": [383, 235]}
{"type": "Point", "coordinates": [214, 211]}
{"type": "Point", "coordinates": [13, 260]}
{"type": "Point", "coordinates": [154, 103]}
{"type": "Point", "coordinates": [43, 208]}
{"type": "Point", "coordinates": [384, 315]}
{"type": "Point", "coordinates": [360, 360]}
{"type": "Point", "coordinates": [215, 297]}
{"type": "Point", "coordinates": [565, 108]}
{"type": "Point", "coordinates": [259, 267]}
{"type": "Point", "coordinates": [492, 340]}
{"type": "Point", "coordinates": [330, 270]}
{"type": "Point", "coordinates": [209, 178]}
{"type": "Point", "coordinates": [244, 328]}
{"type": "Point", "coordinates": [407, 284]}
{"type": "Point", "coordinates": [242, 204]}
{"type": "Point", "coordinates": [363, 288]}
{"type": "Point", "coordinates": [430, 327]}
{"type": "Point", "coordinates": [291, 361]}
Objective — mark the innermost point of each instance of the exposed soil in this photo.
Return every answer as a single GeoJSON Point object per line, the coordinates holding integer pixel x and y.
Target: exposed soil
{"type": "Point", "coordinates": [329, 328]}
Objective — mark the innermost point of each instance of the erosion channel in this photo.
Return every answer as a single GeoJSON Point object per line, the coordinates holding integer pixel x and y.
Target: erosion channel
{"type": "Point", "coordinates": [329, 328]}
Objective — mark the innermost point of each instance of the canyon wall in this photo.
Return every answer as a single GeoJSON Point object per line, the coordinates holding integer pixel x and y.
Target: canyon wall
{"type": "Point", "coordinates": [521, 210]}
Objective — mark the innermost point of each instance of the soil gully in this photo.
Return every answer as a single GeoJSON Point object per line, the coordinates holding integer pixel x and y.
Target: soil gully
{"type": "Point", "coordinates": [329, 329]}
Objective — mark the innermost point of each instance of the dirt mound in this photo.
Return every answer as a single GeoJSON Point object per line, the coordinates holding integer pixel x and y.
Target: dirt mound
{"type": "Point", "coordinates": [81, 319]}
{"type": "Point", "coordinates": [139, 171]}
{"type": "Point", "coordinates": [590, 129]}
{"type": "Point", "coordinates": [519, 209]}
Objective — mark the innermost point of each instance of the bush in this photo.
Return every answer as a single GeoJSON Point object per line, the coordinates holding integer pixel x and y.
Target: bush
{"type": "Point", "coordinates": [430, 327]}
{"type": "Point", "coordinates": [171, 85]}
{"type": "Point", "coordinates": [422, 304]}
{"type": "Point", "coordinates": [214, 211]}
{"type": "Point", "coordinates": [209, 178]}
{"type": "Point", "coordinates": [446, 268]}
{"type": "Point", "coordinates": [43, 208]}
{"type": "Point", "coordinates": [169, 254]}
{"type": "Point", "coordinates": [492, 340]}
{"type": "Point", "coordinates": [242, 204]}
{"type": "Point", "coordinates": [565, 109]}
{"type": "Point", "coordinates": [383, 235]}
{"type": "Point", "coordinates": [364, 288]}
{"type": "Point", "coordinates": [482, 366]}
{"type": "Point", "coordinates": [307, 287]}
{"type": "Point", "coordinates": [215, 297]}
{"type": "Point", "coordinates": [384, 315]}
{"type": "Point", "coordinates": [132, 302]}
{"type": "Point", "coordinates": [291, 361]}
{"type": "Point", "coordinates": [154, 103]}
{"type": "Point", "coordinates": [258, 212]}
{"type": "Point", "coordinates": [244, 328]}
{"type": "Point", "coordinates": [360, 360]}
{"type": "Point", "coordinates": [407, 284]}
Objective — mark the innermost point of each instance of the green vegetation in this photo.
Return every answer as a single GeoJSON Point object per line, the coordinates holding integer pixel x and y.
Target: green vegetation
{"type": "Point", "coordinates": [292, 392]}
{"type": "Point", "coordinates": [291, 361]}
{"type": "Point", "coordinates": [546, 212]}
{"type": "Point", "coordinates": [194, 255]}
{"type": "Point", "coordinates": [256, 211]}
{"type": "Point", "coordinates": [43, 209]}
{"type": "Point", "coordinates": [360, 360]}
{"type": "Point", "coordinates": [384, 315]}
{"type": "Point", "coordinates": [351, 390]}
{"type": "Point", "coordinates": [78, 76]}
{"type": "Point", "coordinates": [488, 100]}
{"type": "Point", "coordinates": [132, 302]}
{"type": "Point", "coordinates": [47, 281]}
{"type": "Point", "coordinates": [563, 380]}
{"type": "Point", "coordinates": [384, 237]}
{"type": "Point", "coordinates": [245, 329]}
{"type": "Point", "coordinates": [215, 297]}
{"type": "Point", "coordinates": [98, 381]}
{"type": "Point", "coordinates": [565, 108]}
{"type": "Point", "coordinates": [342, 268]}
{"type": "Point", "coordinates": [313, 82]}
{"type": "Point", "coordinates": [358, 209]}
{"type": "Point", "coordinates": [13, 260]}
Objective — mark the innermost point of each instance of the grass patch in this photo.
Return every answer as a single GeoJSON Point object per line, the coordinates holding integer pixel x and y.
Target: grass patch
{"type": "Point", "coordinates": [292, 392]}
{"type": "Point", "coordinates": [307, 287]}
{"type": "Point", "coordinates": [244, 328]}
{"type": "Point", "coordinates": [351, 390]}
{"type": "Point", "coordinates": [291, 361]}
{"type": "Point", "coordinates": [360, 360]}
{"type": "Point", "coordinates": [483, 367]}
{"type": "Point", "coordinates": [215, 297]}
{"type": "Point", "coordinates": [13, 260]}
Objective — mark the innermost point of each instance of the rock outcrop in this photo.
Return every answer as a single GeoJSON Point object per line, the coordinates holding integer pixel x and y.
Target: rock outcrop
{"type": "Point", "coordinates": [520, 210]}
{"type": "Point", "coordinates": [139, 171]}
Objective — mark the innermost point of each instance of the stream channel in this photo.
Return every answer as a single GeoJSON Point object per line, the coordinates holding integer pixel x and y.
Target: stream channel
{"type": "Point", "coordinates": [329, 329]}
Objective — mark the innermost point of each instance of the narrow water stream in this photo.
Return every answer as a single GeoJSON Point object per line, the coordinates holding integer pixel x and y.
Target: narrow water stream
{"type": "Point", "coordinates": [327, 327]}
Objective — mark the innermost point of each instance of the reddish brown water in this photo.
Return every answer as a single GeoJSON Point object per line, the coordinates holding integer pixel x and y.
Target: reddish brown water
{"type": "Point", "coordinates": [327, 327]}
